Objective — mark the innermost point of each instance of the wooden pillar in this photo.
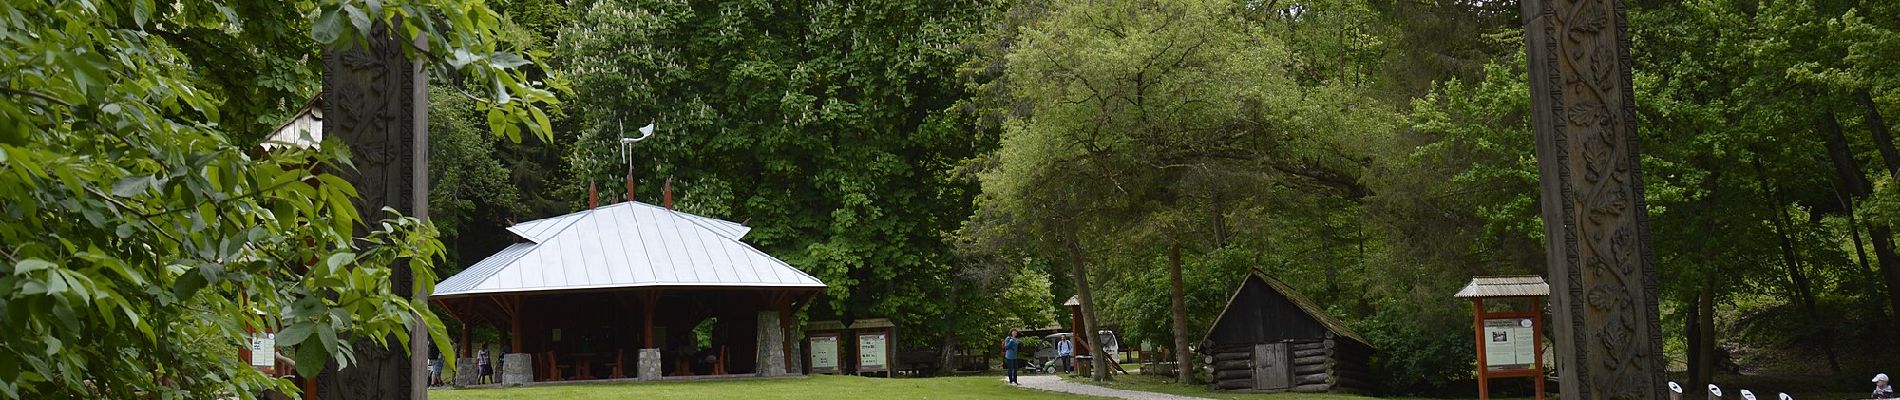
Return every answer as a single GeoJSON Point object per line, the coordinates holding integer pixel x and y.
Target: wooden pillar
{"type": "Point", "coordinates": [1537, 325]}
{"type": "Point", "coordinates": [1583, 112]}
{"type": "Point", "coordinates": [376, 103]}
{"type": "Point", "coordinates": [514, 324]}
{"type": "Point", "coordinates": [1477, 329]}
{"type": "Point", "coordinates": [649, 300]}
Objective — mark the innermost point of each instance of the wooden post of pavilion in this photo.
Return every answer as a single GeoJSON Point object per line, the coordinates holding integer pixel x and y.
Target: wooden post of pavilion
{"type": "Point", "coordinates": [1509, 343]}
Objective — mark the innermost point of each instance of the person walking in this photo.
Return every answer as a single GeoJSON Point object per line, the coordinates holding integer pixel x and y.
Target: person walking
{"type": "Point", "coordinates": [1010, 347]}
{"type": "Point", "coordinates": [1065, 350]}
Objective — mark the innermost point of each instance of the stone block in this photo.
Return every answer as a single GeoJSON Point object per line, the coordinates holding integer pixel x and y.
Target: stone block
{"type": "Point", "coordinates": [649, 364]}
{"type": "Point", "coordinates": [771, 353]}
{"type": "Point", "coordinates": [465, 371]}
{"type": "Point", "coordinates": [517, 369]}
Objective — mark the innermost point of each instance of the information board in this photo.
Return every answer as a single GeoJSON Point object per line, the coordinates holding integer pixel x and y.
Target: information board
{"type": "Point", "coordinates": [264, 350]}
{"type": "Point", "coordinates": [1510, 344]}
{"type": "Point", "coordinates": [872, 352]}
{"type": "Point", "coordinates": [824, 353]}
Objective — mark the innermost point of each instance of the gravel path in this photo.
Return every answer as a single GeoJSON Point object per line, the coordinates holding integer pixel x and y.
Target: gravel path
{"type": "Point", "coordinates": [1056, 384]}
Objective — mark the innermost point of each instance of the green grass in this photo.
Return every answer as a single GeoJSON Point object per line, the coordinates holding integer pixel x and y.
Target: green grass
{"type": "Point", "coordinates": [1159, 384]}
{"type": "Point", "coordinates": [816, 387]}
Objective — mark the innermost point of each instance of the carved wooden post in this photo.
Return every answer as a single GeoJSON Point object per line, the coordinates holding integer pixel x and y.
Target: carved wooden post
{"type": "Point", "coordinates": [376, 103]}
{"type": "Point", "coordinates": [1609, 340]}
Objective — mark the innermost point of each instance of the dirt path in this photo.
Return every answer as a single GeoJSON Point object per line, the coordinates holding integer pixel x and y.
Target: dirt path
{"type": "Point", "coordinates": [1056, 384]}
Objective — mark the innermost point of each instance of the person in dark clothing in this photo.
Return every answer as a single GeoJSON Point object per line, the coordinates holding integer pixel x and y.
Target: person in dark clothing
{"type": "Point", "coordinates": [1010, 348]}
{"type": "Point", "coordinates": [481, 361]}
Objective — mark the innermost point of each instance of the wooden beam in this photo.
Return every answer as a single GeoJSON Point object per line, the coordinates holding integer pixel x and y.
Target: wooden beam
{"type": "Point", "coordinates": [649, 300]}
{"type": "Point", "coordinates": [1477, 328]}
{"type": "Point", "coordinates": [514, 322]}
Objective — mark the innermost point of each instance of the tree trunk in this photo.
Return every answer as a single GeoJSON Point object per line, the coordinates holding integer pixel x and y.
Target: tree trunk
{"type": "Point", "coordinates": [1079, 267]}
{"type": "Point", "coordinates": [1849, 171]}
{"type": "Point", "coordinates": [1702, 336]}
{"type": "Point", "coordinates": [1183, 367]}
{"type": "Point", "coordinates": [1882, 138]}
{"type": "Point", "coordinates": [1803, 290]}
{"type": "Point", "coordinates": [949, 356]}
{"type": "Point", "coordinates": [1853, 226]}
{"type": "Point", "coordinates": [1219, 215]}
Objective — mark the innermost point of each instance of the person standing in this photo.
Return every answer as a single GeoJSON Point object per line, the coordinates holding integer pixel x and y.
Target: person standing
{"type": "Point", "coordinates": [1065, 350]}
{"type": "Point", "coordinates": [1010, 347]}
{"type": "Point", "coordinates": [482, 366]}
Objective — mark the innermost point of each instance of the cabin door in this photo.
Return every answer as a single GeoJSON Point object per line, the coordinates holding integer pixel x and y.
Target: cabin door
{"type": "Point", "coordinates": [1272, 369]}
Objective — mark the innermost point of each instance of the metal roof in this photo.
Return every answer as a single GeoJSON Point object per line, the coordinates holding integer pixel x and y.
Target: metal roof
{"type": "Point", "coordinates": [303, 130]}
{"type": "Point", "coordinates": [625, 245]}
{"type": "Point", "coordinates": [1505, 286]}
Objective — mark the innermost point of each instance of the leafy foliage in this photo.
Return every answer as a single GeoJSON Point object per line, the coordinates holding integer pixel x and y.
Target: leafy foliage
{"type": "Point", "coordinates": [824, 126]}
{"type": "Point", "coordinates": [141, 243]}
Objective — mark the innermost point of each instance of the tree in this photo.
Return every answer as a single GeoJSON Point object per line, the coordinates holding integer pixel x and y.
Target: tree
{"type": "Point", "coordinates": [826, 127]}
{"type": "Point", "coordinates": [1119, 120]}
{"type": "Point", "coordinates": [141, 241]}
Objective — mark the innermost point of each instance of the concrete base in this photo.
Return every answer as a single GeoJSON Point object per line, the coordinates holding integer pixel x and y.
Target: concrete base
{"type": "Point", "coordinates": [465, 372]}
{"type": "Point", "coordinates": [516, 369]}
{"type": "Point", "coordinates": [649, 362]}
{"type": "Point", "coordinates": [771, 354]}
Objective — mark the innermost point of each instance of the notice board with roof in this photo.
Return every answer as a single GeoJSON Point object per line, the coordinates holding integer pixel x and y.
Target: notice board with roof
{"type": "Point", "coordinates": [1507, 331]}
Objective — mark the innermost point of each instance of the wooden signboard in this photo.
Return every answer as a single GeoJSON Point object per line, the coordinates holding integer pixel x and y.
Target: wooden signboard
{"type": "Point", "coordinates": [1509, 345]}
{"type": "Point", "coordinates": [824, 353]}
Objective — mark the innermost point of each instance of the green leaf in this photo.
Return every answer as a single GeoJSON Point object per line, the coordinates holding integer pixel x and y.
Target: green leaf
{"type": "Point", "coordinates": [30, 265]}
{"type": "Point", "coordinates": [328, 28]}
{"type": "Point", "coordinates": [338, 260]}
{"type": "Point", "coordinates": [328, 334]}
{"type": "Point", "coordinates": [294, 334]}
{"type": "Point", "coordinates": [188, 285]}
{"type": "Point", "coordinates": [311, 359]}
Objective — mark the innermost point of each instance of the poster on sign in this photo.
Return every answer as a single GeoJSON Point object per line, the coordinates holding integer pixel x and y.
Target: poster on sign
{"type": "Point", "coordinates": [871, 352]}
{"type": "Point", "coordinates": [1509, 344]}
{"type": "Point", "coordinates": [264, 350]}
{"type": "Point", "coordinates": [824, 353]}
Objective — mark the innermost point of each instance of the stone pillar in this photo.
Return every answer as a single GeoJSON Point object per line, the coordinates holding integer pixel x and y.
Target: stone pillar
{"type": "Point", "coordinates": [466, 373]}
{"type": "Point", "coordinates": [375, 101]}
{"type": "Point", "coordinates": [517, 369]}
{"type": "Point", "coordinates": [649, 365]}
{"type": "Point", "coordinates": [1607, 333]}
{"type": "Point", "coordinates": [798, 357]}
{"type": "Point", "coordinates": [771, 354]}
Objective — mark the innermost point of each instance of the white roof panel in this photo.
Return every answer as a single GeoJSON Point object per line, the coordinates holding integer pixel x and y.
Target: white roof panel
{"type": "Point", "coordinates": [628, 244]}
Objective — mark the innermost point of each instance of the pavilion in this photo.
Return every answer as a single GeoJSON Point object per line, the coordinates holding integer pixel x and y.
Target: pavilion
{"type": "Point", "coordinates": [588, 295]}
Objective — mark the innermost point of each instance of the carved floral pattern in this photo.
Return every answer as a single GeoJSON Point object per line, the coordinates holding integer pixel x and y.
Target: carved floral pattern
{"type": "Point", "coordinates": [369, 99]}
{"type": "Point", "coordinates": [1609, 286]}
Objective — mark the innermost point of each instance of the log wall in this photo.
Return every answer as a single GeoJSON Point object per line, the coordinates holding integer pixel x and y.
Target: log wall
{"type": "Point", "coordinates": [1326, 365]}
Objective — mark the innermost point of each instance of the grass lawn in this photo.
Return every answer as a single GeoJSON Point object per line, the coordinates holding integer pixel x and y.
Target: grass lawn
{"type": "Point", "coordinates": [1154, 383]}
{"type": "Point", "coordinates": [815, 387]}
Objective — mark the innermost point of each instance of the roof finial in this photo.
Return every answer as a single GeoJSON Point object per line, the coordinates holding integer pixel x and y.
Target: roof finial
{"type": "Point", "coordinates": [593, 196]}
{"type": "Point", "coordinates": [630, 186]}
{"type": "Point", "coordinates": [666, 193]}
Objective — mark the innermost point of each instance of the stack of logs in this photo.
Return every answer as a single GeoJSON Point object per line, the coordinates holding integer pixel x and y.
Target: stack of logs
{"type": "Point", "coordinates": [1315, 364]}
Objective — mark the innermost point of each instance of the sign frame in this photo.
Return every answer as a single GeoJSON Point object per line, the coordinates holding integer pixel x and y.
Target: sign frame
{"type": "Point", "coordinates": [812, 358]}
{"type": "Point", "coordinates": [1487, 371]}
{"type": "Point", "coordinates": [885, 357]}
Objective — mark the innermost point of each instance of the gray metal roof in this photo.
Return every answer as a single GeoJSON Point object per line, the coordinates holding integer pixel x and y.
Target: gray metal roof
{"type": "Point", "coordinates": [1505, 286]}
{"type": "Point", "coordinates": [303, 130]}
{"type": "Point", "coordinates": [625, 245]}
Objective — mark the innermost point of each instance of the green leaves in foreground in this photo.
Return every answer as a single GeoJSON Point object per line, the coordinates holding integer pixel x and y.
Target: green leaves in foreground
{"type": "Point", "coordinates": [139, 243]}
